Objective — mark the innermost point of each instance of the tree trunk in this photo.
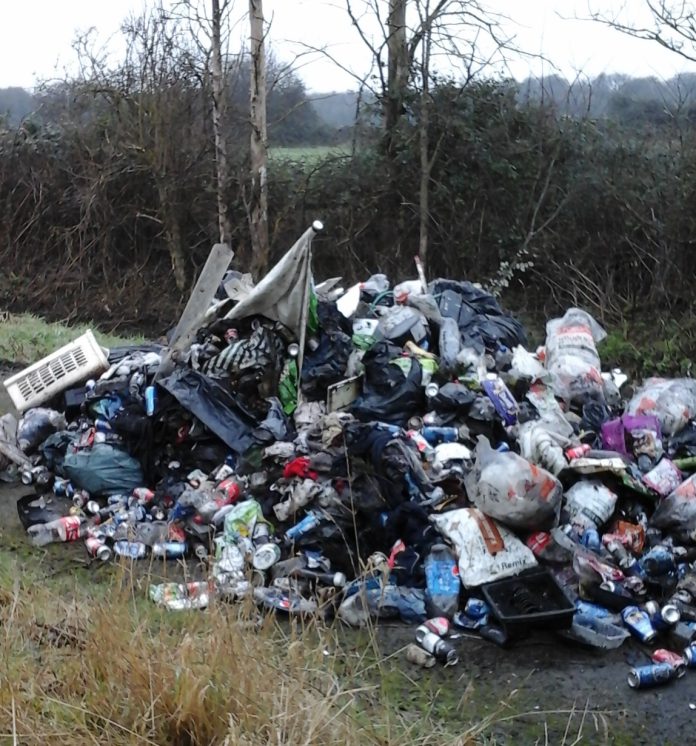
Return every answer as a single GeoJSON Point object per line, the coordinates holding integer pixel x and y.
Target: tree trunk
{"type": "Point", "coordinates": [397, 72]}
{"type": "Point", "coordinates": [222, 166]}
{"type": "Point", "coordinates": [258, 214]}
{"type": "Point", "coordinates": [426, 163]}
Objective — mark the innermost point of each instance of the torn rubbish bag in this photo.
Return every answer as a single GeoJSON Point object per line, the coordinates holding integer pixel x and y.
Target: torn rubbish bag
{"type": "Point", "coordinates": [215, 408]}
{"type": "Point", "coordinates": [485, 550]}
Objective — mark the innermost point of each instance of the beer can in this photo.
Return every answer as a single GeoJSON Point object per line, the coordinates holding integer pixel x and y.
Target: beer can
{"type": "Point", "coordinates": [169, 549]}
{"type": "Point", "coordinates": [476, 608]}
{"type": "Point", "coordinates": [98, 549]}
{"type": "Point", "coordinates": [638, 622]}
{"type": "Point", "coordinates": [435, 435]}
{"type": "Point", "coordinates": [662, 618]}
{"type": "Point", "coordinates": [690, 655]}
{"type": "Point", "coordinates": [265, 556]}
{"type": "Point", "coordinates": [655, 674]}
{"type": "Point", "coordinates": [80, 498]}
{"type": "Point", "coordinates": [131, 549]}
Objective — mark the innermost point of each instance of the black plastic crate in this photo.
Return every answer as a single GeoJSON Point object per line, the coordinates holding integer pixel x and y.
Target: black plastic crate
{"type": "Point", "coordinates": [532, 599]}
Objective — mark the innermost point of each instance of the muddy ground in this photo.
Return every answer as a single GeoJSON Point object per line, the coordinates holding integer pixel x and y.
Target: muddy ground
{"type": "Point", "coordinates": [542, 689]}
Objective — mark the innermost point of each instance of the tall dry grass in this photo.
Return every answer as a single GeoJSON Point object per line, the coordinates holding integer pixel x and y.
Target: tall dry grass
{"type": "Point", "coordinates": [103, 665]}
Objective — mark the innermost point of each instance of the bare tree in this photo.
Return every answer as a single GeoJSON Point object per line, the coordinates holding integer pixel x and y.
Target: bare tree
{"type": "Point", "coordinates": [224, 177]}
{"type": "Point", "coordinates": [398, 67]}
{"type": "Point", "coordinates": [672, 25]}
{"type": "Point", "coordinates": [258, 207]}
{"type": "Point", "coordinates": [418, 37]}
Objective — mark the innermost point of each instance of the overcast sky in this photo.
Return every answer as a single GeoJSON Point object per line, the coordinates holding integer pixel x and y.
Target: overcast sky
{"type": "Point", "coordinates": [36, 36]}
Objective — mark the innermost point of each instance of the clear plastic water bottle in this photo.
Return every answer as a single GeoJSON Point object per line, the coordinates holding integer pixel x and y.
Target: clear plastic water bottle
{"type": "Point", "coordinates": [442, 582]}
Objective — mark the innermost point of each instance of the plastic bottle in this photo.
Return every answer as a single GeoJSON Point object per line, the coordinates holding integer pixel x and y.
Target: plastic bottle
{"type": "Point", "coordinates": [67, 528]}
{"type": "Point", "coordinates": [442, 582]}
{"type": "Point", "coordinates": [226, 493]}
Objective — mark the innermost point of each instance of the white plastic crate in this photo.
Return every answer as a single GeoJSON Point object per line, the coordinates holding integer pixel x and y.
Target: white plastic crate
{"type": "Point", "coordinates": [73, 363]}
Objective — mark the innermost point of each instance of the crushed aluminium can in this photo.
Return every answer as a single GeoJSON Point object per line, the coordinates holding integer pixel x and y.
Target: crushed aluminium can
{"type": "Point", "coordinates": [476, 608]}
{"type": "Point", "coordinates": [661, 655]}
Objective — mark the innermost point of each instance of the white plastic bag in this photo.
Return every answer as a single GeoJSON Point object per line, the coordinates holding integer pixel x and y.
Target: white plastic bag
{"type": "Point", "coordinates": [672, 402]}
{"type": "Point", "coordinates": [486, 550]}
{"type": "Point", "coordinates": [510, 489]}
{"type": "Point", "coordinates": [571, 354]}
{"type": "Point", "coordinates": [524, 364]}
{"type": "Point", "coordinates": [589, 504]}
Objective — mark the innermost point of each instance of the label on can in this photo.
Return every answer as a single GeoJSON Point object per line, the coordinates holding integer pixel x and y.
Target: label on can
{"type": "Point", "coordinates": [71, 524]}
{"type": "Point", "coordinates": [653, 675]}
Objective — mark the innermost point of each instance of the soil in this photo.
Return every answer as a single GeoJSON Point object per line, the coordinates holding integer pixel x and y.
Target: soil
{"type": "Point", "coordinates": [540, 690]}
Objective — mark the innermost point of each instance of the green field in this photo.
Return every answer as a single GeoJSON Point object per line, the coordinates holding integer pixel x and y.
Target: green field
{"type": "Point", "coordinates": [308, 153]}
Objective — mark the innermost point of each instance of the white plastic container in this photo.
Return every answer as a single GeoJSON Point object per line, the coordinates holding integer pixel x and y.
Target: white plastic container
{"type": "Point", "coordinates": [76, 361]}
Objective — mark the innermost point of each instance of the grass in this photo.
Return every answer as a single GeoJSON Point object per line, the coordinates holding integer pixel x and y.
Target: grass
{"type": "Point", "coordinates": [25, 338]}
{"type": "Point", "coordinates": [86, 658]}
{"type": "Point", "coordinates": [307, 154]}
{"type": "Point", "coordinates": [85, 664]}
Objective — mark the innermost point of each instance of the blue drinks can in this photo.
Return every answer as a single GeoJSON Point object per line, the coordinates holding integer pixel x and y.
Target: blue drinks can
{"type": "Point", "coordinates": [639, 624]}
{"type": "Point", "coordinates": [307, 524]}
{"type": "Point", "coordinates": [169, 549]}
{"type": "Point", "coordinates": [690, 655]}
{"type": "Point", "coordinates": [656, 674]}
{"type": "Point", "coordinates": [476, 608]}
{"type": "Point", "coordinates": [436, 435]}
{"type": "Point", "coordinates": [132, 549]}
